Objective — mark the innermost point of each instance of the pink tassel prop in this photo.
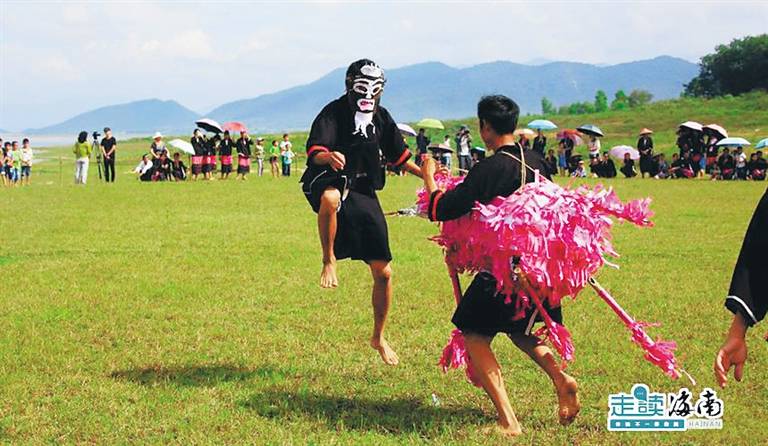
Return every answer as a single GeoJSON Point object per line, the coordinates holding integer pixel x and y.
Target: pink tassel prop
{"type": "Point", "coordinates": [660, 353]}
{"type": "Point", "coordinates": [561, 238]}
{"type": "Point", "coordinates": [455, 356]}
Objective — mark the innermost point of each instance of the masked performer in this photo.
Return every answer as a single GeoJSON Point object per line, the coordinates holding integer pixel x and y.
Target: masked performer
{"type": "Point", "coordinates": [481, 313]}
{"type": "Point", "coordinates": [225, 153]}
{"type": "Point", "coordinates": [347, 146]}
{"type": "Point", "coordinates": [748, 295]}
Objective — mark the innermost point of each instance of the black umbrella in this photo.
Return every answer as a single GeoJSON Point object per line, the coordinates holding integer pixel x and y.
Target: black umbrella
{"type": "Point", "coordinates": [440, 149]}
{"type": "Point", "coordinates": [590, 129]}
{"type": "Point", "coordinates": [209, 125]}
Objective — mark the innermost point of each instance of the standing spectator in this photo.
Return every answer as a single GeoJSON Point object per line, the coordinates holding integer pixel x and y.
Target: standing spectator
{"type": "Point", "coordinates": [698, 150]}
{"type": "Point", "coordinates": [524, 142]}
{"type": "Point", "coordinates": [464, 142]}
{"type": "Point", "coordinates": [260, 155]}
{"type": "Point", "coordinates": [6, 163]}
{"type": "Point", "coordinates": [562, 161]}
{"type": "Point", "coordinates": [209, 159]}
{"type": "Point", "coordinates": [82, 151]}
{"type": "Point", "coordinates": [178, 169]}
{"type": "Point", "coordinates": [740, 161]}
{"type": "Point", "coordinates": [726, 164]}
{"type": "Point", "coordinates": [244, 155]}
{"type": "Point", "coordinates": [567, 144]}
{"type": "Point", "coordinates": [274, 154]}
{"type": "Point", "coordinates": [15, 163]}
{"type": "Point", "coordinates": [608, 167]}
{"type": "Point", "coordinates": [551, 162]}
{"type": "Point", "coordinates": [26, 162]}
{"type": "Point", "coordinates": [711, 150]}
{"type": "Point", "coordinates": [628, 169]}
{"type": "Point", "coordinates": [144, 169]}
{"type": "Point", "coordinates": [540, 142]}
{"type": "Point", "coordinates": [287, 160]}
{"type": "Point", "coordinates": [422, 143]}
{"type": "Point", "coordinates": [108, 146]}
{"type": "Point", "coordinates": [199, 146]}
{"type": "Point", "coordinates": [285, 146]}
{"type": "Point", "coordinates": [645, 147]}
{"type": "Point", "coordinates": [158, 147]}
{"type": "Point", "coordinates": [594, 147]}
{"type": "Point", "coordinates": [225, 155]}
{"type": "Point", "coordinates": [757, 166]}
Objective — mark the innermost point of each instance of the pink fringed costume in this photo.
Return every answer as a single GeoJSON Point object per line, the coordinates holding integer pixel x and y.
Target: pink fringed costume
{"type": "Point", "coordinates": [529, 247]}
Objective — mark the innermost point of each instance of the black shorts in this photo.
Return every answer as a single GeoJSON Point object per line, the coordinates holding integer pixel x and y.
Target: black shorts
{"type": "Point", "coordinates": [226, 168]}
{"type": "Point", "coordinates": [362, 232]}
{"type": "Point", "coordinates": [197, 169]}
{"type": "Point", "coordinates": [483, 311]}
{"type": "Point", "coordinates": [243, 169]}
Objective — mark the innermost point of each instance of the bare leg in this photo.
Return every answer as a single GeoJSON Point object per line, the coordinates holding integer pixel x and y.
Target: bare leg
{"type": "Point", "coordinates": [565, 386]}
{"type": "Point", "coordinates": [489, 372]}
{"type": "Point", "coordinates": [326, 225]}
{"type": "Point", "coordinates": [381, 299]}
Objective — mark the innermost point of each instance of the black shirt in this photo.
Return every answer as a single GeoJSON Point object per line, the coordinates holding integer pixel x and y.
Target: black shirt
{"type": "Point", "coordinates": [539, 144]}
{"type": "Point", "coordinates": [498, 175]}
{"type": "Point", "coordinates": [108, 143]}
{"type": "Point", "coordinates": [645, 145]}
{"type": "Point", "coordinates": [422, 142]}
{"type": "Point", "coordinates": [225, 147]}
{"type": "Point", "coordinates": [198, 145]}
{"type": "Point", "coordinates": [334, 130]}
{"type": "Point", "coordinates": [244, 146]}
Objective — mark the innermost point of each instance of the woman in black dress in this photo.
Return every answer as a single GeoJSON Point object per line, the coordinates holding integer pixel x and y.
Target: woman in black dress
{"type": "Point", "coordinates": [243, 155]}
{"type": "Point", "coordinates": [199, 143]}
{"type": "Point", "coordinates": [747, 296]}
{"type": "Point", "coordinates": [225, 155]}
{"type": "Point", "coordinates": [645, 147]}
{"type": "Point", "coordinates": [347, 144]}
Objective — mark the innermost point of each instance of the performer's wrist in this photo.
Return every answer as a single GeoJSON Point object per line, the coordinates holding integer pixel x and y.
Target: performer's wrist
{"type": "Point", "coordinates": [738, 327]}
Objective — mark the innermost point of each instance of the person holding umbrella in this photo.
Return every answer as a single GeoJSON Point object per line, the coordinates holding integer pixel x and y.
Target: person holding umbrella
{"type": "Point", "coordinates": [540, 142]}
{"type": "Point", "coordinates": [225, 155]}
{"type": "Point", "coordinates": [344, 170]}
{"type": "Point", "coordinates": [209, 159]}
{"type": "Point", "coordinates": [199, 144]}
{"type": "Point", "coordinates": [243, 155]}
{"type": "Point", "coordinates": [464, 144]}
{"type": "Point", "coordinates": [422, 143]}
{"type": "Point", "coordinates": [645, 147]}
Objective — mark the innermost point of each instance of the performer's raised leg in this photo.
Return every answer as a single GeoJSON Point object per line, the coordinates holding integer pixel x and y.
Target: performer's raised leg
{"type": "Point", "coordinates": [326, 224]}
{"type": "Point", "coordinates": [381, 299]}
{"type": "Point", "coordinates": [565, 386]}
{"type": "Point", "coordinates": [488, 372]}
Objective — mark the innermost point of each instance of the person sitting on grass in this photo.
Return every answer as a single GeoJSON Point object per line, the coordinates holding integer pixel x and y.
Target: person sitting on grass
{"type": "Point", "coordinates": [162, 170]}
{"type": "Point", "coordinates": [628, 169]}
{"type": "Point", "coordinates": [662, 167]}
{"type": "Point", "coordinates": [482, 313]}
{"type": "Point", "coordinates": [757, 166]}
{"type": "Point", "coordinates": [144, 169]}
{"type": "Point", "coordinates": [608, 167]}
{"type": "Point", "coordinates": [580, 171]}
{"type": "Point", "coordinates": [178, 169]}
{"type": "Point", "coordinates": [726, 165]}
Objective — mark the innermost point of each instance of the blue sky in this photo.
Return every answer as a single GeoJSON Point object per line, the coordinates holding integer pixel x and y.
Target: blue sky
{"type": "Point", "coordinates": [60, 59]}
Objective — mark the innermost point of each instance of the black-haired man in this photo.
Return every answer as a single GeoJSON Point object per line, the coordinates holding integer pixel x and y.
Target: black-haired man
{"type": "Point", "coordinates": [108, 147]}
{"type": "Point", "coordinates": [348, 143]}
{"type": "Point", "coordinates": [482, 312]}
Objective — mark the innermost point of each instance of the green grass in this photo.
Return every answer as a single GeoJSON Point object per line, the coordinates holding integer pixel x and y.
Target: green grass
{"type": "Point", "coordinates": [189, 313]}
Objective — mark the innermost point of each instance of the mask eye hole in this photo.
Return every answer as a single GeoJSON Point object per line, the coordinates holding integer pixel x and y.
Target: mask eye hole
{"type": "Point", "coordinates": [376, 90]}
{"type": "Point", "coordinates": [360, 88]}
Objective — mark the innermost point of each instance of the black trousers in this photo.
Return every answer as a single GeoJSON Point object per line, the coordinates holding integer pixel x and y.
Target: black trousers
{"type": "Point", "coordinates": [109, 170]}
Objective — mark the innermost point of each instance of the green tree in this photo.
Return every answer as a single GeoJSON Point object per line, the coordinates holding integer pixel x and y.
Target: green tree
{"type": "Point", "coordinates": [601, 101]}
{"type": "Point", "coordinates": [620, 101]}
{"type": "Point", "coordinates": [736, 68]}
{"type": "Point", "coordinates": [638, 98]}
{"type": "Point", "coordinates": [546, 107]}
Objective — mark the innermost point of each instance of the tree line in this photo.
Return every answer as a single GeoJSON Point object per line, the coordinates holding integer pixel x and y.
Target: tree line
{"type": "Point", "coordinates": [736, 68]}
{"type": "Point", "coordinates": [621, 101]}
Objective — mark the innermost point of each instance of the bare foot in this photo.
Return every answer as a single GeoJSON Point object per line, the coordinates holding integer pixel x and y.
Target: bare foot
{"type": "Point", "coordinates": [509, 431]}
{"type": "Point", "coordinates": [385, 351]}
{"type": "Point", "coordinates": [568, 400]}
{"type": "Point", "coordinates": [328, 275]}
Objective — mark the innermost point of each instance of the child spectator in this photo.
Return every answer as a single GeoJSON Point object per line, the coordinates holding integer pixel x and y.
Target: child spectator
{"type": "Point", "coordinates": [740, 161]}
{"type": "Point", "coordinates": [26, 162]}
{"type": "Point", "coordinates": [178, 169]}
{"type": "Point", "coordinates": [287, 160]}
{"type": "Point", "coordinates": [285, 146]}
{"type": "Point", "coordinates": [260, 155]}
{"type": "Point", "coordinates": [274, 154]}
{"type": "Point", "coordinates": [15, 163]}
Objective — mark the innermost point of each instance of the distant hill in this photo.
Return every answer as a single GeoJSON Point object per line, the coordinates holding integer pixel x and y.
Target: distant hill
{"type": "Point", "coordinates": [134, 117]}
{"type": "Point", "coordinates": [436, 89]}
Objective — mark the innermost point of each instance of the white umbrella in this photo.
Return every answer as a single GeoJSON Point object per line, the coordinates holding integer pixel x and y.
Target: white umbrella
{"type": "Point", "coordinates": [693, 125]}
{"type": "Point", "coordinates": [406, 129]}
{"type": "Point", "coordinates": [734, 142]}
{"type": "Point", "coordinates": [619, 151]}
{"type": "Point", "coordinates": [182, 145]}
{"type": "Point", "coordinates": [526, 132]}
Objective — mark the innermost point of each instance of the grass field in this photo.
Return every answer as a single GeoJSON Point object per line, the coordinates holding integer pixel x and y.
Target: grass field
{"type": "Point", "coordinates": [190, 313]}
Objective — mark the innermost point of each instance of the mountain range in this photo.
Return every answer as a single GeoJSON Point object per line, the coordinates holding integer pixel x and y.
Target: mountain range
{"type": "Point", "coordinates": [428, 89]}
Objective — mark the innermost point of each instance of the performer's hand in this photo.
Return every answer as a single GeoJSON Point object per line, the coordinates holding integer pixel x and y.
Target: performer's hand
{"type": "Point", "coordinates": [428, 168]}
{"type": "Point", "coordinates": [337, 160]}
{"type": "Point", "coordinates": [733, 353]}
